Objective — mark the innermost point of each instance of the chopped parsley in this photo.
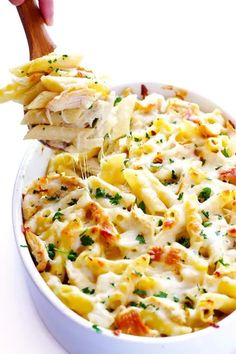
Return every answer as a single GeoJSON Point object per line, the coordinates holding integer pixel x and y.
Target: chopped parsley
{"type": "Point", "coordinates": [180, 196]}
{"type": "Point", "coordinates": [140, 292]}
{"type": "Point", "coordinates": [72, 255]}
{"type": "Point", "coordinates": [115, 200]}
{"type": "Point", "coordinates": [147, 136]}
{"type": "Point", "coordinates": [88, 290]}
{"type": "Point", "coordinates": [203, 234]}
{"type": "Point", "coordinates": [126, 162]}
{"type": "Point", "coordinates": [137, 139]}
{"type": "Point", "coordinates": [176, 299]}
{"type": "Point", "coordinates": [138, 273]}
{"type": "Point", "coordinates": [138, 304]}
{"type": "Point", "coordinates": [174, 175]}
{"type": "Point", "coordinates": [217, 168]}
{"type": "Point", "coordinates": [207, 223]}
{"type": "Point", "coordinates": [72, 202]}
{"type": "Point", "coordinates": [58, 215]}
{"type": "Point", "coordinates": [221, 261]}
{"type": "Point", "coordinates": [160, 222]}
{"type": "Point", "coordinates": [51, 250]}
{"type": "Point", "coordinates": [64, 56]}
{"type": "Point", "coordinates": [225, 152]}
{"type": "Point", "coordinates": [161, 294]}
{"type": "Point", "coordinates": [96, 328]}
{"type": "Point", "coordinates": [24, 246]}
{"type": "Point", "coordinates": [142, 206]}
{"type": "Point", "coordinates": [171, 161]}
{"type": "Point", "coordinates": [101, 193]}
{"type": "Point", "coordinates": [184, 241]}
{"type": "Point", "coordinates": [117, 100]}
{"type": "Point", "coordinates": [141, 239]}
{"type": "Point", "coordinates": [204, 194]}
{"type": "Point", "coordinates": [86, 240]}
{"type": "Point", "coordinates": [205, 213]}
{"type": "Point", "coordinates": [64, 188]}
{"type": "Point", "coordinates": [188, 303]}
{"type": "Point", "coordinates": [53, 197]}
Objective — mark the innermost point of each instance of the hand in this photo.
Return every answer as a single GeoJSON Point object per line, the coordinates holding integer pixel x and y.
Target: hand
{"type": "Point", "coordinates": [46, 8]}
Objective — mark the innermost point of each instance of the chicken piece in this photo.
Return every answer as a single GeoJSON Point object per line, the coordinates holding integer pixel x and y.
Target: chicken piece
{"type": "Point", "coordinates": [229, 176]}
{"type": "Point", "coordinates": [38, 249]}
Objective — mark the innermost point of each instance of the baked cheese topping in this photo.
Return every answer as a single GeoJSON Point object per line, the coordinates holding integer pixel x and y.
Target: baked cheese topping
{"type": "Point", "coordinates": [139, 235]}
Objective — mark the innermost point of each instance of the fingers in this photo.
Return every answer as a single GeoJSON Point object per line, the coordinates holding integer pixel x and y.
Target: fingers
{"type": "Point", "coordinates": [17, 2]}
{"type": "Point", "coordinates": [46, 8]}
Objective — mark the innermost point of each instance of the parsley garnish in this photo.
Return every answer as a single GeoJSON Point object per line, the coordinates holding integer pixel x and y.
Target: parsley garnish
{"type": "Point", "coordinates": [88, 290]}
{"type": "Point", "coordinates": [205, 213]}
{"type": "Point", "coordinates": [115, 199]}
{"type": "Point", "coordinates": [221, 261]}
{"type": "Point", "coordinates": [188, 303]}
{"type": "Point", "coordinates": [180, 197]}
{"type": "Point", "coordinates": [96, 328]}
{"type": "Point", "coordinates": [225, 152]}
{"type": "Point", "coordinates": [171, 161]}
{"type": "Point", "coordinates": [142, 206]}
{"type": "Point", "coordinates": [86, 240]}
{"type": "Point", "coordinates": [185, 241]}
{"type": "Point", "coordinates": [203, 234]}
{"type": "Point", "coordinates": [174, 175]}
{"type": "Point", "coordinates": [140, 239]}
{"type": "Point", "coordinates": [204, 194]}
{"type": "Point", "coordinates": [72, 202]}
{"type": "Point", "coordinates": [138, 273]}
{"type": "Point", "coordinates": [72, 255]}
{"type": "Point", "coordinates": [24, 246]}
{"type": "Point", "coordinates": [117, 100]}
{"type": "Point", "coordinates": [64, 188]}
{"type": "Point", "coordinates": [138, 304]}
{"type": "Point", "coordinates": [101, 193]}
{"type": "Point", "coordinates": [217, 168]}
{"type": "Point", "coordinates": [140, 292]}
{"type": "Point", "coordinates": [160, 222]}
{"type": "Point", "coordinates": [161, 294]}
{"type": "Point", "coordinates": [51, 250]}
{"type": "Point", "coordinates": [58, 215]}
{"type": "Point", "coordinates": [126, 162]}
{"type": "Point", "coordinates": [137, 139]}
{"type": "Point", "coordinates": [176, 299]}
{"type": "Point", "coordinates": [53, 197]}
{"type": "Point", "coordinates": [207, 223]}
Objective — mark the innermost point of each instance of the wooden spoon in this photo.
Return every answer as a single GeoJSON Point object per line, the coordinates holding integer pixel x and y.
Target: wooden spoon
{"type": "Point", "coordinates": [39, 44]}
{"type": "Point", "coordinates": [38, 39]}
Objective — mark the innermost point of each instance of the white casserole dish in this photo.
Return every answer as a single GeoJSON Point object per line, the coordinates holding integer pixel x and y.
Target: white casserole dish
{"type": "Point", "coordinates": [75, 333]}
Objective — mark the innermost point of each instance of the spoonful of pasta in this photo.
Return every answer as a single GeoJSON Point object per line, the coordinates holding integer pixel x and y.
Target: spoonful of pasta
{"type": "Point", "coordinates": [66, 107]}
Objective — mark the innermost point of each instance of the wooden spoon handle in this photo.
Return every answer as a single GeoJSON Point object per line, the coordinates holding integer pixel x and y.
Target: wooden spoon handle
{"type": "Point", "coordinates": [38, 39]}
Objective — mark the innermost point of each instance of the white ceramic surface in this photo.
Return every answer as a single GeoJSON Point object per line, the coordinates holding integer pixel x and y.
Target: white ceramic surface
{"type": "Point", "coordinates": [73, 332]}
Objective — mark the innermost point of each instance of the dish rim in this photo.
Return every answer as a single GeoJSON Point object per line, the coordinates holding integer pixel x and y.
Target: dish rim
{"type": "Point", "coordinates": [17, 220]}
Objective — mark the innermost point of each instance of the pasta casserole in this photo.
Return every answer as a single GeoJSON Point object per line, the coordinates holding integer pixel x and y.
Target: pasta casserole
{"type": "Point", "coordinates": [136, 232]}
